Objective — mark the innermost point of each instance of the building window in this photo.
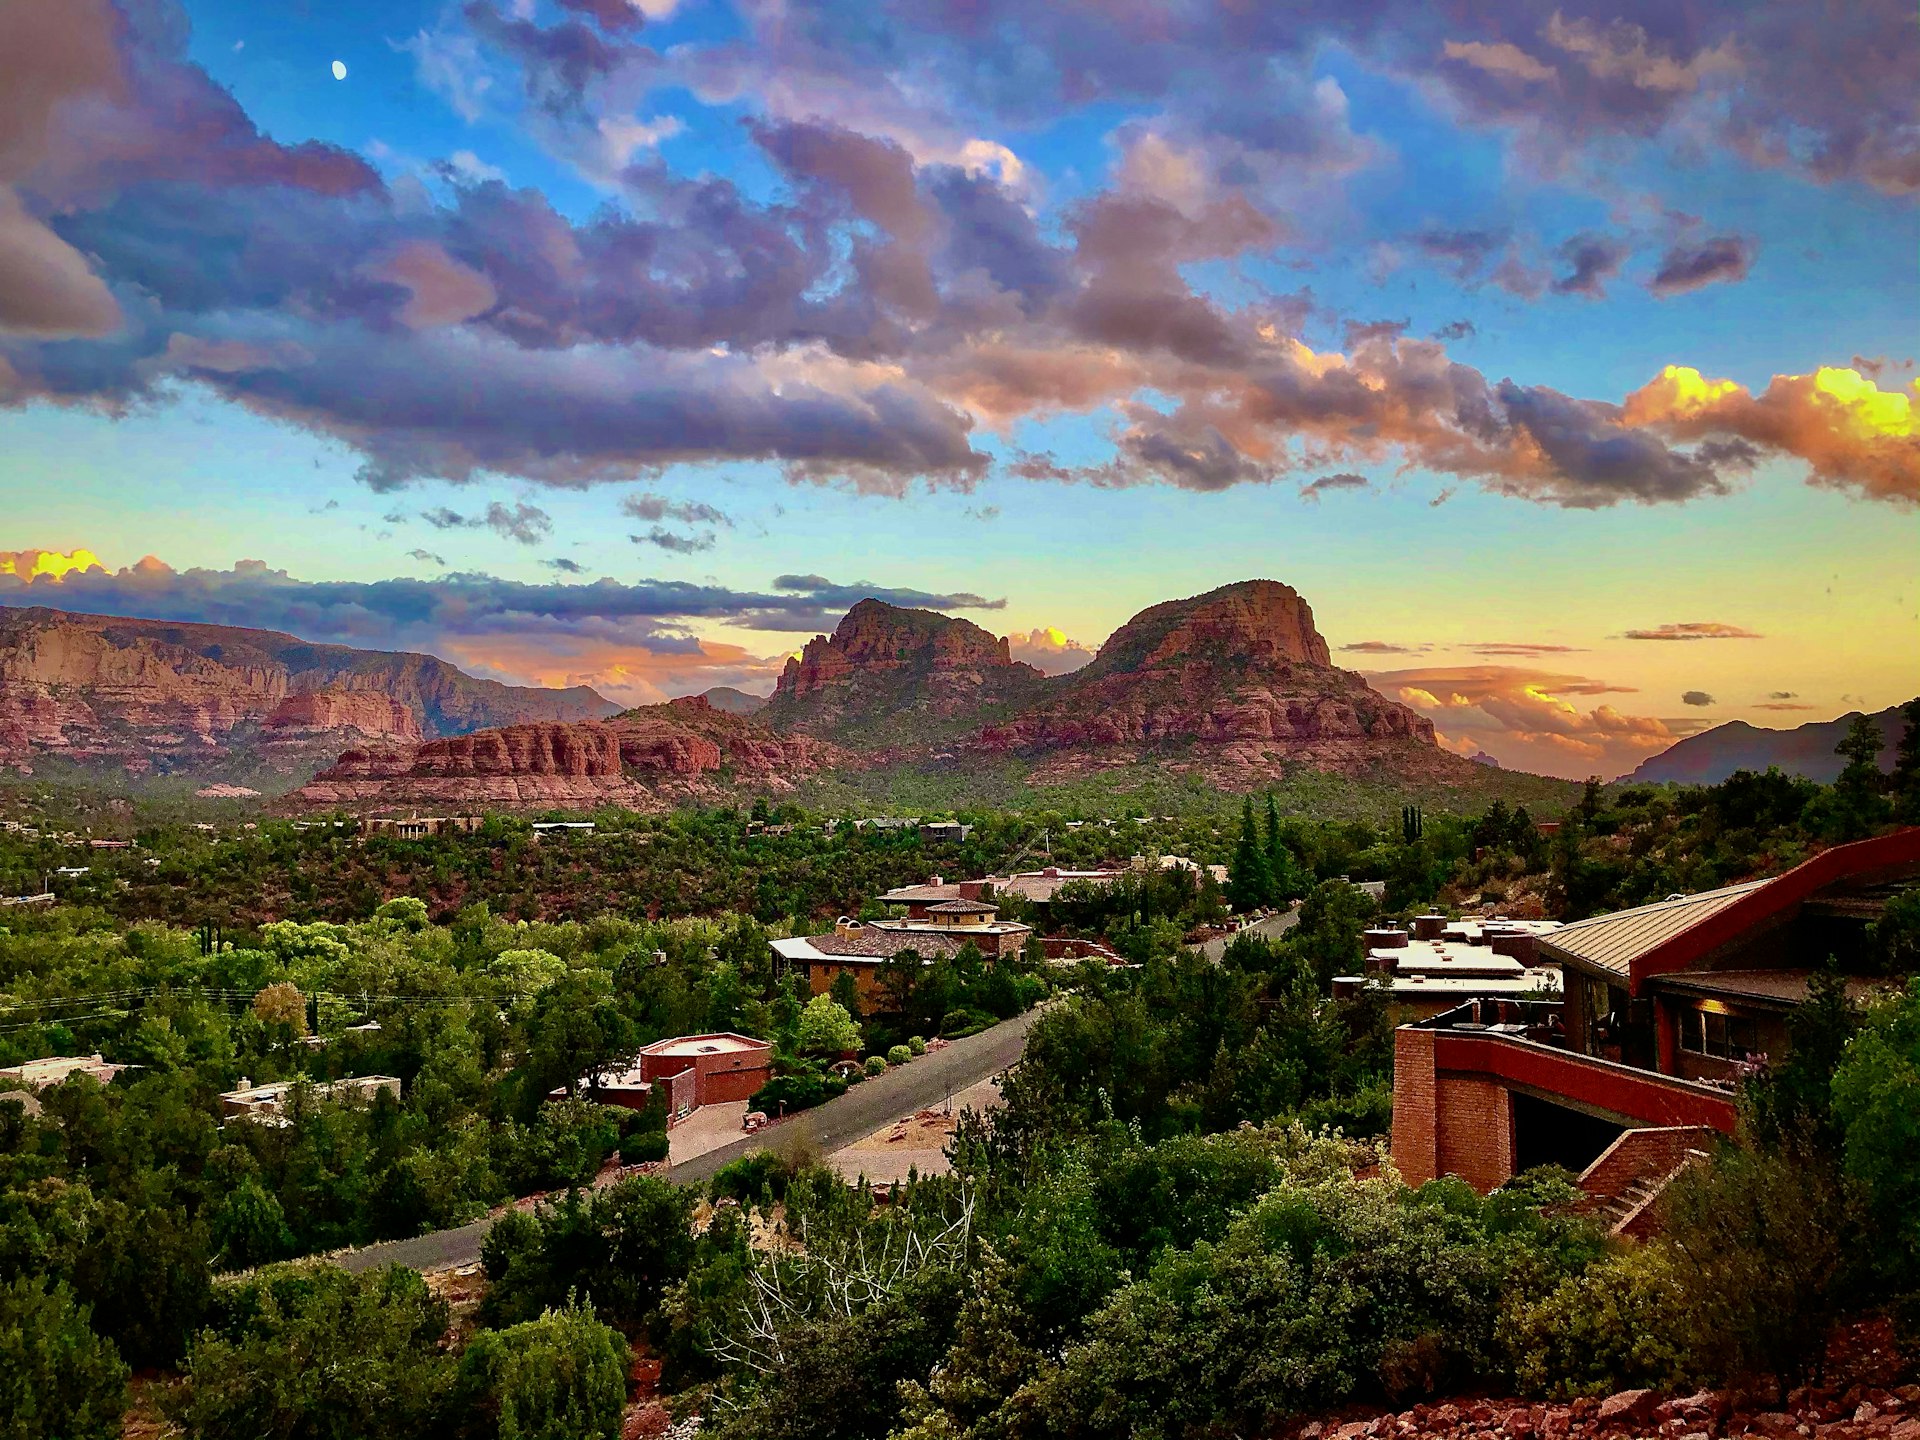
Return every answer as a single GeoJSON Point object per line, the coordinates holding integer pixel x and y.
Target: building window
{"type": "Point", "coordinates": [1723, 1036]}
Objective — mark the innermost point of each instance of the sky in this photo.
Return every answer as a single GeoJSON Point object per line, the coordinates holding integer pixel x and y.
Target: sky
{"type": "Point", "coordinates": [1563, 359]}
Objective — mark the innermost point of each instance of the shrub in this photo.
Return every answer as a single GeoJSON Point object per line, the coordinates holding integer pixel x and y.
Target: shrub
{"type": "Point", "coordinates": [876, 1064]}
{"type": "Point", "coordinates": [963, 1022]}
{"type": "Point", "coordinates": [560, 1377]}
{"type": "Point", "coordinates": [786, 1093]}
{"type": "Point", "coordinates": [759, 1176]}
{"type": "Point", "coordinates": [56, 1376]}
{"type": "Point", "coordinates": [917, 1045]}
{"type": "Point", "coordinates": [644, 1148]}
{"type": "Point", "coordinates": [899, 1055]}
{"type": "Point", "coordinates": [1622, 1323]}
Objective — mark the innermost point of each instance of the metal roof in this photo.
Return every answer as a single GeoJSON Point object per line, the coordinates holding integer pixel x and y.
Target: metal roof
{"type": "Point", "coordinates": [1613, 942]}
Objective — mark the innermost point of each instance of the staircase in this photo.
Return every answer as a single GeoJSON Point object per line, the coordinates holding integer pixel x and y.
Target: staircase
{"type": "Point", "coordinates": [1624, 1185]}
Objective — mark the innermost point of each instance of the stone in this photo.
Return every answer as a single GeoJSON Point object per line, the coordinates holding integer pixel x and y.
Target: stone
{"type": "Point", "coordinates": [1628, 1407]}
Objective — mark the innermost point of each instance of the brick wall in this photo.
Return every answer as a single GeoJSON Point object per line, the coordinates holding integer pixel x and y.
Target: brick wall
{"type": "Point", "coordinates": [1474, 1134]}
{"type": "Point", "coordinates": [1643, 1155]}
{"type": "Point", "coordinates": [1413, 1097]}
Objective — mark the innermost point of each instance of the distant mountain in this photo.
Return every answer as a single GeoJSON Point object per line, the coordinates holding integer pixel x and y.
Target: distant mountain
{"type": "Point", "coordinates": [1806, 750]}
{"type": "Point", "coordinates": [163, 696]}
{"type": "Point", "coordinates": [734, 702]}
{"type": "Point", "coordinates": [1234, 689]}
{"type": "Point", "coordinates": [892, 676]}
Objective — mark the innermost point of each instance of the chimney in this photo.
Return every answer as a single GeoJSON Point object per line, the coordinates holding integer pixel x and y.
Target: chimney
{"type": "Point", "coordinates": [935, 880]}
{"type": "Point", "coordinates": [1386, 937]}
{"type": "Point", "coordinates": [972, 889]}
{"type": "Point", "coordinates": [845, 926]}
{"type": "Point", "coordinates": [1428, 926]}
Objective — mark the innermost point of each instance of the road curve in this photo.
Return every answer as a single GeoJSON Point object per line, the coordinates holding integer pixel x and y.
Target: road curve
{"type": "Point", "coordinates": [929, 1080]}
{"type": "Point", "coordinates": [1268, 929]}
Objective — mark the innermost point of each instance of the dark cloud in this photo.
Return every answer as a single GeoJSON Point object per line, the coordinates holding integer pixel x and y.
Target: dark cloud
{"type": "Point", "coordinates": [1696, 697]}
{"type": "Point", "coordinates": [1344, 480]}
{"type": "Point", "coordinates": [662, 538]}
{"type": "Point", "coordinates": [1695, 630]}
{"type": "Point", "coordinates": [564, 565]}
{"type": "Point", "coordinates": [651, 507]}
{"type": "Point", "coordinates": [422, 613]}
{"type": "Point", "coordinates": [1383, 647]}
{"type": "Point", "coordinates": [427, 557]}
{"type": "Point", "coordinates": [528, 524]}
{"type": "Point", "coordinates": [1691, 264]}
{"type": "Point", "coordinates": [1456, 330]}
{"type": "Point", "coordinates": [1782, 695]}
{"type": "Point", "coordinates": [1591, 261]}
{"type": "Point", "coordinates": [613, 16]}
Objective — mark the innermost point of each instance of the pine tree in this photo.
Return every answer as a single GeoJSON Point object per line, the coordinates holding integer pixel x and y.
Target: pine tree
{"type": "Point", "coordinates": [1282, 874]}
{"type": "Point", "coordinates": [1858, 800]}
{"type": "Point", "coordinates": [1905, 783]}
{"type": "Point", "coordinates": [1250, 880]}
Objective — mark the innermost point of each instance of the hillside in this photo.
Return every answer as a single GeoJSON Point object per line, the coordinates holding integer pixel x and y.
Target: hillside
{"type": "Point", "coordinates": [645, 759]}
{"type": "Point", "coordinates": [1235, 685]}
{"type": "Point", "coordinates": [899, 677]}
{"type": "Point", "coordinates": [155, 696]}
{"type": "Point", "coordinates": [1806, 750]}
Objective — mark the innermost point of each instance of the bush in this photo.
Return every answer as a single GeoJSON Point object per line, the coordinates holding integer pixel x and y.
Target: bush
{"type": "Point", "coordinates": [1622, 1324]}
{"type": "Point", "coordinates": [560, 1377]}
{"type": "Point", "coordinates": [785, 1094]}
{"type": "Point", "coordinates": [917, 1045]}
{"type": "Point", "coordinates": [56, 1376]}
{"type": "Point", "coordinates": [876, 1064]}
{"type": "Point", "coordinates": [321, 1355]}
{"type": "Point", "coordinates": [899, 1055]}
{"type": "Point", "coordinates": [751, 1178]}
{"type": "Point", "coordinates": [964, 1022]}
{"type": "Point", "coordinates": [644, 1148]}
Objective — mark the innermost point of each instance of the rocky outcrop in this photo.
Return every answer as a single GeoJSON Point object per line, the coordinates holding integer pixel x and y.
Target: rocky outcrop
{"type": "Point", "coordinates": [890, 675]}
{"type": "Point", "coordinates": [646, 759]}
{"type": "Point", "coordinates": [734, 702]}
{"type": "Point", "coordinates": [1236, 685]}
{"type": "Point", "coordinates": [367, 711]}
{"type": "Point", "coordinates": [154, 694]}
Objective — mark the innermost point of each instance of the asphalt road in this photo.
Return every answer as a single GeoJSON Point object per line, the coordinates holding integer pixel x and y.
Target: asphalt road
{"type": "Point", "coordinates": [1266, 929]}
{"type": "Point", "coordinates": [927, 1082]}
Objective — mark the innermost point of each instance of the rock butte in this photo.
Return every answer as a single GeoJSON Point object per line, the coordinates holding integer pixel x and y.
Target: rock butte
{"type": "Point", "coordinates": [1235, 686]}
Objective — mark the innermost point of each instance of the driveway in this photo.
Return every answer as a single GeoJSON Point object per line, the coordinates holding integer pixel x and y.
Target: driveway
{"type": "Point", "coordinates": [931, 1080]}
{"type": "Point", "coordinates": [1267, 929]}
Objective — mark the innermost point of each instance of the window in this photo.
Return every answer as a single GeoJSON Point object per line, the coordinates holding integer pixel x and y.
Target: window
{"type": "Point", "coordinates": [1723, 1036]}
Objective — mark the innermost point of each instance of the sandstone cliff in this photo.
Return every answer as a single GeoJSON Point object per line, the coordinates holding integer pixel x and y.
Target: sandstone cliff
{"type": "Point", "coordinates": [645, 759]}
{"type": "Point", "coordinates": [893, 676]}
{"type": "Point", "coordinates": [154, 694]}
{"type": "Point", "coordinates": [1236, 685]}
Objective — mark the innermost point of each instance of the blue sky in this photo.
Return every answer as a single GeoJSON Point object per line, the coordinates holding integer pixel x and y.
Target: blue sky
{"type": "Point", "coordinates": [1036, 314]}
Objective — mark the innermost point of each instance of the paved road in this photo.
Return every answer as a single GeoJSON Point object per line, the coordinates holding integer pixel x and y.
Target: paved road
{"type": "Point", "coordinates": [928, 1081]}
{"type": "Point", "coordinates": [1265, 929]}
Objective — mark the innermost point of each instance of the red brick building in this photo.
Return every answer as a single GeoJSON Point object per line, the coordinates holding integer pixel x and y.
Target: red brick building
{"type": "Point", "coordinates": [1665, 1008]}
{"type": "Point", "coordinates": [693, 1070]}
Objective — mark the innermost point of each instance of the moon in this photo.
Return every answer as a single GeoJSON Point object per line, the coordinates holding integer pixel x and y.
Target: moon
{"type": "Point", "coordinates": [339, 69]}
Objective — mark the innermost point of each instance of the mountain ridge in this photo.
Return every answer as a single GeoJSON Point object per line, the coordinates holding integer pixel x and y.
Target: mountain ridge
{"type": "Point", "coordinates": [1805, 750]}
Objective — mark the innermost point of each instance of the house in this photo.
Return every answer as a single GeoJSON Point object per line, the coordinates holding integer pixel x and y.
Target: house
{"type": "Point", "coordinates": [1665, 1008]}
{"type": "Point", "coordinates": [1466, 960]}
{"type": "Point", "coordinates": [693, 1070]}
{"type": "Point", "coordinates": [860, 948]}
{"type": "Point", "coordinates": [949, 831]}
{"type": "Point", "coordinates": [421, 827]}
{"type": "Point", "coordinates": [562, 827]}
{"type": "Point", "coordinates": [1038, 887]}
{"type": "Point", "coordinates": [55, 1069]}
{"type": "Point", "coordinates": [266, 1104]}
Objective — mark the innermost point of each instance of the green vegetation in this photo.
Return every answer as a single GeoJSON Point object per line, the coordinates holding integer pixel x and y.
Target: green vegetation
{"type": "Point", "coordinates": [1177, 1225]}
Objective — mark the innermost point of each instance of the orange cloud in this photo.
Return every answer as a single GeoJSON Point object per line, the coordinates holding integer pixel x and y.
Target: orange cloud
{"type": "Point", "coordinates": [47, 564]}
{"type": "Point", "coordinates": [621, 671]}
{"type": "Point", "coordinates": [1049, 650]}
{"type": "Point", "coordinates": [1695, 630]}
{"type": "Point", "coordinates": [1524, 719]}
{"type": "Point", "coordinates": [1851, 433]}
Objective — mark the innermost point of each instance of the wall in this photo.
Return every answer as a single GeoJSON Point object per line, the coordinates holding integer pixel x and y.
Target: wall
{"type": "Point", "coordinates": [1473, 1131]}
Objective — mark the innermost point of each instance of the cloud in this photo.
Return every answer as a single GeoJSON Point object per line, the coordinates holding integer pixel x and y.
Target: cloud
{"type": "Point", "coordinates": [1591, 261]}
{"type": "Point", "coordinates": [1345, 480]}
{"type": "Point", "coordinates": [1383, 647]}
{"type": "Point", "coordinates": [1049, 650]}
{"type": "Point", "coordinates": [564, 565]}
{"type": "Point", "coordinates": [1691, 264]}
{"type": "Point", "coordinates": [528, 524]}
{"type": "Point", "coordinates": [427, 557]}
{"type": "Point", "coordinates": [1852, 434]}
{"type": "Point", "coordinates": [651, 507]}
{"type": "Point", "coordinates": [1782, 705]}
{"type": "Point", "coordinates": [1696, 697]}
{"type": "Point", "coordinates": [47, 289]}
{"type": "Point", "coordinates": [461, 612]}
{"type": "Point", "coordinates": [663, 539]}
{"type": "Point", "coordinates": [1694, 630]}
{"type": "Point", "coordinates": [1782, 695]}
{"type": "Point", "coordinates": [1456, 330]}
{"type": "Point", "coordinates": [1525, 718]}
{"type": "Point", "coordinates": [1521, 648]}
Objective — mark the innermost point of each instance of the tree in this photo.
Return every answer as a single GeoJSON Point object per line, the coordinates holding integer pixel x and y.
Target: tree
{"type": "Point", "coordinates": [1904, 784]}
{"type": "Point", "coordinates": [310, 1352]}
{"type": "Point", "coordinates": [826, 1028]}
{"type": "Point", "coordinates": [57, 1378]}
{"type": "Point", "coordinates": [1285, 881]}
{"type": "Point", "coordinates": [1876, 1104]}
{"type": "Point", "coordinates": [1250, 877]}
{"type": "Point", "coordinates": [845, 991]}
{"type": "Point", "coordinates": [1858, 801]}
{"type": "Point", "coordinates": [560, 1377]}
{"type": "Point", "coordinates": [283, 1010]}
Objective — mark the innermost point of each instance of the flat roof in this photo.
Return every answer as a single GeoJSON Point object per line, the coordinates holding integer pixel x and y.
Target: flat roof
{"type": "Point", "coordinates": [1529, 982]}
{"type": "Point", "coordinates": [687, 1045]}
